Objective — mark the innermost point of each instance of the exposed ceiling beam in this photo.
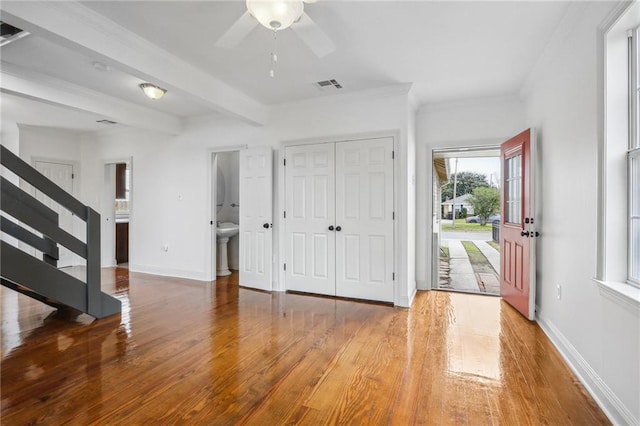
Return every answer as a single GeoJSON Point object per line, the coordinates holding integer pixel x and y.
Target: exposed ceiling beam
{"type": "Point", "coordinates": [76, 26]}
{"type": "Point", "coordinates": [22, 82]}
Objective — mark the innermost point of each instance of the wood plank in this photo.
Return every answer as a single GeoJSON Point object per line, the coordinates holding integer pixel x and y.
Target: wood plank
{"type": "Point", "coordinates": [189, 352]}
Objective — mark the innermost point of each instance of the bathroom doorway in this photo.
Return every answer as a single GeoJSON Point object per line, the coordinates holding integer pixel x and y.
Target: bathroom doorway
{"type": "Point", "coordinates": [225, 213]}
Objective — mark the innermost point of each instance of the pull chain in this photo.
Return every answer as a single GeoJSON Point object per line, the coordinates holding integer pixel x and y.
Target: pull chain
{"type": "Point", "coordinates": [274, 55]}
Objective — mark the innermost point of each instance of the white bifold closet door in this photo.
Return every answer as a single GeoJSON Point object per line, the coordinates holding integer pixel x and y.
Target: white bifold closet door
{"type": "Point", "coordinates": [339, 219]}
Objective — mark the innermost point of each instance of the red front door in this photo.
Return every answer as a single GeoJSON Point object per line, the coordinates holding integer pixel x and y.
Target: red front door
{"type": "Point", "coordinates": [517, 233]}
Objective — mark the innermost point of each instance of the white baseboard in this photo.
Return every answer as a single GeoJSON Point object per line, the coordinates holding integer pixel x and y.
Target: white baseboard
{"type": "Point", "coordinates": [613, 408]}
{"type": "Point", "coordinates": [406, 301]}
{"type": "Point", "coordinates": [423, 285]}
{"type": "Point", "coordinates": [168, 272]}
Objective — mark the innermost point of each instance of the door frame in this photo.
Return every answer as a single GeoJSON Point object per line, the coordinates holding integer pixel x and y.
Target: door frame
{"type": "Point", "coordinates": [106, 206]}
{"type": "Point", "coordinates": [474, 146]}
{"type": "Point", "coordinates": [212, 180]}
{"type": "Point", "coordinates": [398, 169]}
{"type": "Point", "coordinates": [77, 228]}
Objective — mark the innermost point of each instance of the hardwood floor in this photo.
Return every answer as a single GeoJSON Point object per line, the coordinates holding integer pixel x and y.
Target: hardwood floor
{"type": "Point", "coordinates": [187, 352]}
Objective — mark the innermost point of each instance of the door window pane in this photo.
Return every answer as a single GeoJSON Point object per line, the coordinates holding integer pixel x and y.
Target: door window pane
{"type": "Point", "coordinates": [513, 193]}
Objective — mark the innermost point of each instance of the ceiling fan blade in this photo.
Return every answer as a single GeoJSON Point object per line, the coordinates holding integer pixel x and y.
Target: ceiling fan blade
{"type": "Point", "coordinates": [313, 36]}
{"type": "Point", "coordinates": [238, 31]}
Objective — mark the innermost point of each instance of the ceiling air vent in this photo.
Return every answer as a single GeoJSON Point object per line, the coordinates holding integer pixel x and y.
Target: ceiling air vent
{"type": "Point", "coordinates": [107, 122]}
{"type": "Point", "coordinates": [9, 33]}
{"type": "Point", "coordinates": [328, 85]}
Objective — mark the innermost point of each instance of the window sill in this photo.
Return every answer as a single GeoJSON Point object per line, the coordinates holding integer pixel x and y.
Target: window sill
{"type": "Point", "coordinates": [621, 293]}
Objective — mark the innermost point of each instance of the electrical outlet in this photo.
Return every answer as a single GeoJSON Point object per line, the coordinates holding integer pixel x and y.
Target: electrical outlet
{"type": "Point", "coordinates": [559, 291]}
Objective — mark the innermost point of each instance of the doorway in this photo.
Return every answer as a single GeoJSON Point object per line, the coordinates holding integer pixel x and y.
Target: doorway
{"type": "Point", "coordinates": [241, 215]}
{"type": "Point", "coordinates": [225, 213]}
{"type": "Point", "coordinates": [116, 213]}
{"type": "Point", "coordinates": [466, 218]}
{"type": "Point", "coordinates": [62, 174]}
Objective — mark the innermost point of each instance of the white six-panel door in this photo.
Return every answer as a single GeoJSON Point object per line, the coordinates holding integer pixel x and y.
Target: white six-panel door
{"type": "Point", "coordinates": [256, 217]}
{"type": "Point", "coordinates": [310, 210]}
{"type": "Point", "coordinates": [364, 217]}
{"type": "Point", "coordinates": [339, 219]}
{"type": "Point", "coordinates": [62, 175]}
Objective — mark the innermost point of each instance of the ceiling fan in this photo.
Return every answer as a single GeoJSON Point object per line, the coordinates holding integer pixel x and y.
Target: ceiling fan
{"type": "Point", "coordinates": [278, 15]}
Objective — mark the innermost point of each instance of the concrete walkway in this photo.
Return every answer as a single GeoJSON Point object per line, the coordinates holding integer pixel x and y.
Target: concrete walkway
{"type": "Point", "coordinates": [490, 253]}
{"type": "Point", "coordinates": [461, 274]}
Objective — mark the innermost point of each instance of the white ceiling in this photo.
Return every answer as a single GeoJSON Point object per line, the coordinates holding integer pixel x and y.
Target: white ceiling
{"type": "Point", "coordinates": [449, 50]}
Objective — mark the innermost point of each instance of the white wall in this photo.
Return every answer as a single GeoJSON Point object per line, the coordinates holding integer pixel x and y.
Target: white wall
{"type": "Point", "coordinates": [171, 175]}
{"type": "Point", "coordinates": [598, 335]}
{"type": "Point", "coordinates": [475, 122]}
{"type": "Point", "coordinates": [52, 144]}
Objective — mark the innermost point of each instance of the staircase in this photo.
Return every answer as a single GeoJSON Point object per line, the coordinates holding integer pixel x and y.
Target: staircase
{"type": "Point", "coordinates": [40, 278]}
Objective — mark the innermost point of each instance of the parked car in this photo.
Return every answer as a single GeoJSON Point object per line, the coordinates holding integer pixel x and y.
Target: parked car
{"type": "Point", "coordinates": [494, 218]}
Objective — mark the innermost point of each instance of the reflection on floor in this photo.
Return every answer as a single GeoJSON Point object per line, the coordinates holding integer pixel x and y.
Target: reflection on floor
{"type": "Point", "coordinates": [469, 266]}
{"type": "Point", "coordinates": [190, 352]}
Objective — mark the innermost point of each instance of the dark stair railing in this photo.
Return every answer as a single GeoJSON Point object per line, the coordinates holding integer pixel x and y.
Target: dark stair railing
{"type": "Point", "coordinates": [40, 278]}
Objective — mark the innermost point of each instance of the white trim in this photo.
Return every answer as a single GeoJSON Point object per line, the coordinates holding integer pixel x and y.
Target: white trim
{"type": "Point", "coordinates": [610, 404]}
{"type": "Point", "coordinates": [168, 272]}
{"type": "Point", "coordinates": [75, 166]}
{"type": "Point", "coordinates": [210, 249]}
{"type": "Point", "coordinates": [406, 301]}
{"type": "Point", "coordinates": [623, 294]}
{"type": "Point", "coordinates": [129, 162]}
{"type": "Point", "coordinates": [602, 239]}
{"type": "Point", "coordinates": [423, 285]}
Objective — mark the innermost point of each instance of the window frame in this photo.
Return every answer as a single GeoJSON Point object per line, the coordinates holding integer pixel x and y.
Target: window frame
{"type": "Point", "coordinates": [633, 152]}
{"type": "Point", "coordinates": [612, 237]}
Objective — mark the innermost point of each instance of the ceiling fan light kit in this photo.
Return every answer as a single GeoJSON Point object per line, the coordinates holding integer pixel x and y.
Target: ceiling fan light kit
{"type": "Point", "coordinates": [152, 91]}
{"type": "Point", "coordinates": [276, 15]}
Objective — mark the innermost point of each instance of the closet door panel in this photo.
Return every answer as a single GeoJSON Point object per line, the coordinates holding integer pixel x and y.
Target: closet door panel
{"type": "Point", "coordinates": [364, 212]}
{"type": "Point", "coordinates": [310, 210]}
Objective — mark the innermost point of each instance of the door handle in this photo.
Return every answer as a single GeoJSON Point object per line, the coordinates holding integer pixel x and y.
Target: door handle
{"type": "Point", "coordinates": [524, 233]}
{"type": "Point", "coordinates": [338, 228]}
{"type": "Point", "coordinates": [266, 226]}
{"type": "Point", "coordinates": [330, 227]}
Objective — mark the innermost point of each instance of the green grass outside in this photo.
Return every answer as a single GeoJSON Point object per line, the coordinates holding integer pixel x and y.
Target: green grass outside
{"type": "Point", "coordinates": [478, 260]}
{"type": "Point", "coordinates": [494, 245]}
{"type": "Point", "coordinates": [461, 225]}
{"type": "Point", "coordinates": [446, 251]}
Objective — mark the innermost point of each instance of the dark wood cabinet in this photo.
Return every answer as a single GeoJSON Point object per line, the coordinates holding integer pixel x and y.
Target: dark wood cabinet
{"type": "Point", "coordinates": [122, 242]}
{"type": "Point", "coordinates": [121, 181]}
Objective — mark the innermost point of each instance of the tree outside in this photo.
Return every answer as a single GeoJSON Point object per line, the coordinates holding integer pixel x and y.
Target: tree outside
{"type": "Point", "coordinates": [467, 182]}
{"type": "Point", "coordinates": [485, 201]}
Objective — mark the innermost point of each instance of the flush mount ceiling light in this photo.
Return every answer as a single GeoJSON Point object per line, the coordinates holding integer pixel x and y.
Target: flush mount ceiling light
{"type": "Point", "coordinates": [152, 91]}
{"type": "Point", "coordinates": [276, 15]}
